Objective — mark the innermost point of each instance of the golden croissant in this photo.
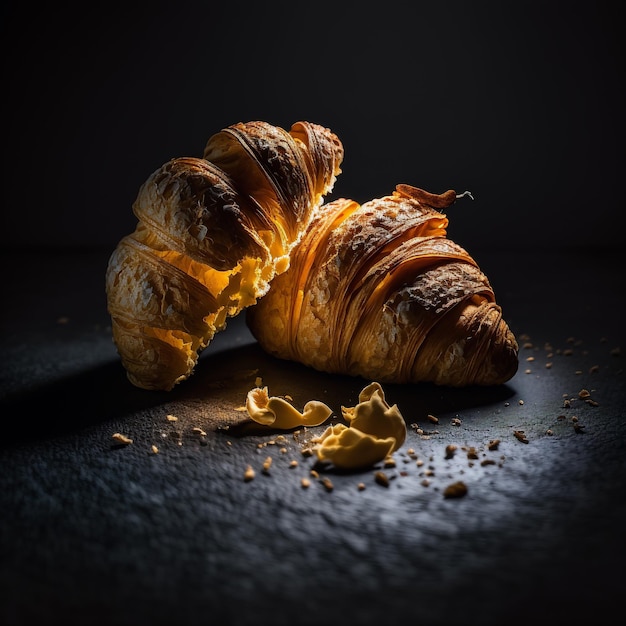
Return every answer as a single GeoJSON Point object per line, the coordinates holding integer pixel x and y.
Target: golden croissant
{"type": "Point", "coordinates": [212, 232]}
{"type": "Point", "coordinates": [378, 291]}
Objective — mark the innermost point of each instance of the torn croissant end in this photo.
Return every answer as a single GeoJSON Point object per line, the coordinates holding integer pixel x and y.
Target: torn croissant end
{"type": "Point", "coordinates": [212, 232]}
{"type": "Point", "coordinates": [375, 431]}
{"type": "Point", "coordinates": [278, 413]}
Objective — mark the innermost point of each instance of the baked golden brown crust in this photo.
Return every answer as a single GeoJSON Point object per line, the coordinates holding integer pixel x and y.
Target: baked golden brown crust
{"type": "Point", "coordinates": [379, 291]}
{"type": "Point", "coordinates": [211, 235]}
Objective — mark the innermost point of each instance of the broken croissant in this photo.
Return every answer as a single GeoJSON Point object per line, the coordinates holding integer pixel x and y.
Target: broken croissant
{"type": "Point", "coordinates": [212, 232]}
{"type": "Point", "coordinates": [378, 290]}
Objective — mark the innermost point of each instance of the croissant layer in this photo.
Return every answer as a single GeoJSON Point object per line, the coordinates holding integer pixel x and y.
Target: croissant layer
{"type": "Point", "coordinates": [212, 232]}
{"type": "Point", "coordinates": [379, 291]}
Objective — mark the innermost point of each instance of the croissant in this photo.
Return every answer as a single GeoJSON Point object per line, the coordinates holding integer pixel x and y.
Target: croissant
{"type": "Point", "coordinates": [212, 232]}
{"type": "Point", "coordinates": [378, 291]}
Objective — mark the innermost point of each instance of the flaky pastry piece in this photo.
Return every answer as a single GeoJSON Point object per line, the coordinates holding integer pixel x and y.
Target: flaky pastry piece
{"type": "Point", "coordinates": [212, 232]}
{"type": "Point", "coordinates": [379, 291]}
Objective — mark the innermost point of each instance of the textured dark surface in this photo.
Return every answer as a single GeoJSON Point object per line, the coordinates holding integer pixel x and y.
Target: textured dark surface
{"type": "Point", "coordinates": [99, 534]}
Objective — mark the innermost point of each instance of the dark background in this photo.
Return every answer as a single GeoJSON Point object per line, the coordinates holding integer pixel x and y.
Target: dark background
{"type": "Point", "coordinates": [520, 103]}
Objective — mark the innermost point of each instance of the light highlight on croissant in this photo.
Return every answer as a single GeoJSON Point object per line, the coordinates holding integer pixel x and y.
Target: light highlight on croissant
{"type": "Point", "coordinates": [379, 291]}
{"type": "Point", "coordinates": [212, 232]}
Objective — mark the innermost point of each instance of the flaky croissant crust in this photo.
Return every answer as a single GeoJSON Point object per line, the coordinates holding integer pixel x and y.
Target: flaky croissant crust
{"type": "Point", "coordinates": [212, 232]}
{"type": "Point", "coordinates": [378, 290]}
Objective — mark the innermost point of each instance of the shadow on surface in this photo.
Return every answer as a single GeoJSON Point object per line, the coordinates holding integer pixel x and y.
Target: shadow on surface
{"type": "Point", "coordinates": [104, 393]}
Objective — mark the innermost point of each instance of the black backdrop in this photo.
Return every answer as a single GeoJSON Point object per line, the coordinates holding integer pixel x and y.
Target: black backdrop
{"type": "Point", "coordinates": [520, 103]}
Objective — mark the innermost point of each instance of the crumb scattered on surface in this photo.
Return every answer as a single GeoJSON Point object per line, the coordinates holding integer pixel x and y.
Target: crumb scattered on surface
{"type": "Point", "coordinates": [520, 436]}
{"type": "Point", "coordinates": [381, 478]}
{"type": "Point", "coordinates": [123, 439]}
{"type": "Point", "coordinates": [457, 489]}
{"type": "Point", "coordinates": [327, 483]}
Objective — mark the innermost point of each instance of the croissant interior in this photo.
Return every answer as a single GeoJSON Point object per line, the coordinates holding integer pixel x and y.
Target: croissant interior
{"type": "Point", "coordinates": [378, 290]}
{"type": "Point", "coordinates": [212, 232]}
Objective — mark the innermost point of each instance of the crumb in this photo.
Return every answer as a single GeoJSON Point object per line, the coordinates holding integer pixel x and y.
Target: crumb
{"type": "Point", "coordinates": [154, 449]}
{"type": "Point", "coordinates": [305, 483]}
{"type": "Point", "coordinates": [249, 473]}
{"type": "Point", "coordinates": [361, 486]}
{"type": "Point", "coordinates": [172, 418]}
{"type": "Point", "coordinates": [119, 438]}
{"type": "Point", "coordinates": [433, 419]}
{"type": "Point", "coordinates": [471, 453]}
{"type": "Point", "coordinates": [450, 450]}
{"type": "Point", "coordinates": [455, 490]}
{"type": "Point", "coordinates": [382, 479]}
{"type": "Point", "coordinates": [520, 436]}
{"type": "Point", "coordinates": [328, 485]}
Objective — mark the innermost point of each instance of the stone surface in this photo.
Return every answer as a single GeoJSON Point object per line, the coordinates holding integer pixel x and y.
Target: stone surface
{"type": "Point", "coordinates": [93, 532]}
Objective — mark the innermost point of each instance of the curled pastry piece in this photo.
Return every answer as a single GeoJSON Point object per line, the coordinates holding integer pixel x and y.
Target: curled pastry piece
{"type": "Point", "coordinates": [379, 291]}
{"type": "Point", "coordinates": [375, 431]}
{"type": "Point", "coordinates": [350, 449]}
{"type": "Point", "coordinates": [372, 415]}
{"type": "Point", "coordinates": [278, 413]}
{"type": "Point", "coordinates": [212, 232]}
